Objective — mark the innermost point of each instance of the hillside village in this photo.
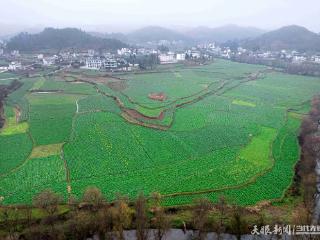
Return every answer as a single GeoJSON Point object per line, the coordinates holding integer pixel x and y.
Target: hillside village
{"type": "Point", "coordinates": [134, 58]}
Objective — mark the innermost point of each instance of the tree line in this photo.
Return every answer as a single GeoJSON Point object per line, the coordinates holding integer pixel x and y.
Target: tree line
{"type": "Point", "coordinates": [303, 68]}
{"type": "Point", "coordinates": [5, 90]}
{"type": "Point", "coordinates": [94, 215]}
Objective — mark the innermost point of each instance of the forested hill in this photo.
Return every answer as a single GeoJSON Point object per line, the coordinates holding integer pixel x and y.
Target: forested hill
{"type": "Point", "coordinates": [289, 37]}
{"type": "Point", "coordinates": [57, 39]}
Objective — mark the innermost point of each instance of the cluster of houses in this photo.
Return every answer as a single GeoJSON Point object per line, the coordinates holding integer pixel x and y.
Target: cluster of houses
{"type": "Point", "coordinates": [127, 59]}
{"type": "Point", "coordinates": [289, 56]}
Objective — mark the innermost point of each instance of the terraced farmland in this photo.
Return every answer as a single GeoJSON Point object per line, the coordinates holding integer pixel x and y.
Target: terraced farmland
{"type": "Point", "coordinates": [186, 132]}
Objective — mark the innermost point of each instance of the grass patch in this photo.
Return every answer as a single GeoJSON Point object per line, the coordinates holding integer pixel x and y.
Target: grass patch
{"type": "Point", "coordinates": [38, 84]}
{"type": "Point", "coordinates": [243, 103]}
{"type": "Point", "coordinates": [258, 150]}
{"type": "Point", "coordinates": [11, 126]}
{"type": "Point", "coordinates": [296, 115]}
{"type": "Point", "coordinates": [46, 150]}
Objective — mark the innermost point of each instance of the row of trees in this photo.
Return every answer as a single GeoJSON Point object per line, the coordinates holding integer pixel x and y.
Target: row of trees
{"type": "Point", "coordinates": [306, 68]}
{"type": "Point", "coordinates": [5, 90]}
{"type": "Point", "coordinates": [93, 215]}
{"type": "Point", "coordinates": [310, 143]}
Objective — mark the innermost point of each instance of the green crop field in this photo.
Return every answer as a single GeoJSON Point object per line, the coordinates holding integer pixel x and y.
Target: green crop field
{"type": "Point", "coordinates": [187, 132]}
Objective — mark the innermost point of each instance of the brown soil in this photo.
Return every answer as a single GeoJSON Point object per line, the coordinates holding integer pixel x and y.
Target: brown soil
{"type": "Point", "coordinates": [119, 85]}
{"type": "Point", "coordinates": [17, 113]}
{"type": "Point", "coordinates": [136, 115]}
{"type": "Point", "coordinates": [130, 119]}
{"type": "Point", "coordinates": [157, 96]}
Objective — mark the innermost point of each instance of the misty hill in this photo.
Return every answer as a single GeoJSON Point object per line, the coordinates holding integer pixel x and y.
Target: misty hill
{"type": "Point", "coordinates": [224, 33]}
{"type": "Point", "coordinates": [289, 37]}
{"type": "Point", "coordinates": [154, 33]}
{"type": "Point", "coordinates": [196, 35]}
{"type": "Point", "coordinates": [118, 35]}
{"type": "Point", "coordinates": [7, 31]}
{"type": "Point", "coordinates": [58, 39]}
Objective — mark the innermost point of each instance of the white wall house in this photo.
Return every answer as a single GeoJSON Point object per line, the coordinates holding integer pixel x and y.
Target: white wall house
{"type": "Point", "coordinates": [91, 52]}
{"type": "Point", "coordinates": [94, 63]}
{"type": "Point", "coordinates": [299, 59]}
{"type": "Point", "coordinates": [15, 53]}
{"type": "Point", "coordinates": [48, 61]}
{"type": "Point", "coordinates": [181, 56]}
{"type": "Point", "coordinates": [98, 63]}
{"type": "Point", "coordinates": [3, 69]}
{"type": "Point", "coordinates": [124, 51]}
{"type": "Point", "coordinates": [13, 66]}
{"type": "Point", "coordinates": [110, 63]}
{"type": "Point", "coordinates": [167, 58]}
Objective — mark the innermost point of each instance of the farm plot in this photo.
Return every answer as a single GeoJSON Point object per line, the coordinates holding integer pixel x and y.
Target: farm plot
{"type": "Point", "coordinates": [15, 143]}
{"type": "Point", "coordinates": [178, 163]}
{"type": "Point", "coordinates": [51, 117]}
{"type": "Point", "coordinates": [271, 185]}
{"type": "Point", "coordinates": [94, 103]}
{"type": "Point", "coordinates": [36, 175]}
{"type": "Point", "coordinates": [13, 151]}
{"type": "Point", "coordinates": [67, 87]}
{"type": "Point", "coordinates": [6, 75]}
{"type": "Point", "coordinates": [226, 128]}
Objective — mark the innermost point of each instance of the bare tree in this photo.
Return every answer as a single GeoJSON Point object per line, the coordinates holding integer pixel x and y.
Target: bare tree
{"type": "Point", "coordinates": [200, 217]}
{"type": "Point", "coordinates": [160, 220]}
{"type": "Point", "coordinates": [48, 201]}
{"type": "Point", "coordinates": [121, 216]}
{"type": "Point", "coordinates": [104, 222]}
{"type": "Point", "coordinates": [222, 209]}
{"type": "Point", "coordinates": [93, 197]}
{"type": "Point", "coordinates": [142, 223]}
{"type": "Point", "coordinates": [238, 223]}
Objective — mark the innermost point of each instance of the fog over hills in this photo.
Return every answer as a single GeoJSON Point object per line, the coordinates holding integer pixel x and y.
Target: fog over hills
{"type": "Point", "coordinates": [188, 35]}
{"type": "Point", "coordinates": [289, 37]}
{"type": "Point", "coordinates": [224, 33]}
{"type": "Point", "coordinates": [56, 39]}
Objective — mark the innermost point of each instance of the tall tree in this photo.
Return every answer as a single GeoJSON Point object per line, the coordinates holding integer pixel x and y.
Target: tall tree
{"type": "Point", "coordinates": [121, 216]}
{"type": "Point", "coordinates": [142, 223]}
{"type": "Point", "coordinates": [48, 201]}
{"type": "Point", "coordinates": [94, 198]}
{"type": "Point", "coordinates": [201, 210]}
{"type": "Point", "coordinates": [222, 209]}
{"type": "Point", "coordinates": [160, 220]}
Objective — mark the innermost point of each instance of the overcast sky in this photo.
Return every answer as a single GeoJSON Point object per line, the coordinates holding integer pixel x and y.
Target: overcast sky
{"type": "Point", "coordinates": [125, 15]}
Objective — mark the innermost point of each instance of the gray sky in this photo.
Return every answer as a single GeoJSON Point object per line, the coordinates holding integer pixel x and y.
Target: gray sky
{"type": "Point", "coordinates": [125, 15]}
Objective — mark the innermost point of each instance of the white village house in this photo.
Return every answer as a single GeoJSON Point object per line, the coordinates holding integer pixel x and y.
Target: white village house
{"type": "Point", "coordinates": [167, 58]}
{"type": "Point", "coordinates": [13, 66]}
{"type": "Point", "coordinates": [181, 56]}
{"type": "Point", "coordinates": [99, 63]}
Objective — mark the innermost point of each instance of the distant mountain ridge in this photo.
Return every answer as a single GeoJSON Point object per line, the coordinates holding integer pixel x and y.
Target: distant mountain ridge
{"type": "Point", "coordinates": [57, 39]}
{"type": "Point", "coordinates": [191, 36]}
{"type": "Point", "coordinates": [290, 37]}
{"type": "Point", "coordinates": [224, 33]}
{"type": "Point", "coordinates": [155, 33]}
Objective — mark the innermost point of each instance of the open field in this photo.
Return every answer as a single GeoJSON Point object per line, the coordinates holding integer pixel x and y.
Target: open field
{"type": "Point", "coordinates": [220, 129]}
